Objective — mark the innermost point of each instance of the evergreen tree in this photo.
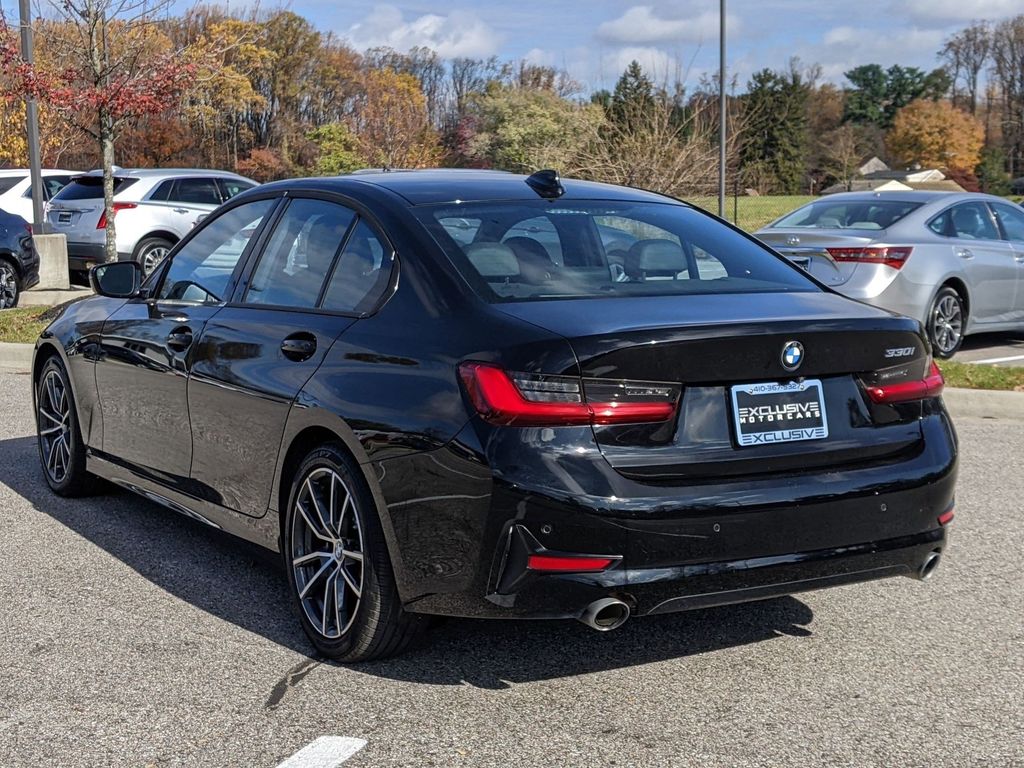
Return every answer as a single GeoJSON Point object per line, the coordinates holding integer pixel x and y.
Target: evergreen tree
{"type": "Point", "coordinates": [773, 155]}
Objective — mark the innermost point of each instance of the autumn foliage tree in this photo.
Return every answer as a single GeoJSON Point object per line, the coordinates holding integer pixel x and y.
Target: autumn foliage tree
{"type": "Point", "coordinates": [110, 65]}
{"type": "Point", "coordinates": [936, 134]}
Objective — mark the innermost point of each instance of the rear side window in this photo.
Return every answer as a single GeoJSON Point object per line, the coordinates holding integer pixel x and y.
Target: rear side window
{"type": "Point", "coordinates": [164, 191]}
{"type": "Point", "coordinates": [847, 214]}
{"type": "Point", "coordinates": [234, 187]}
{"type": "Point", "coordinates": [298, 258]}
{"type": "Point", "coordinates": [197, 192]}
{"type": "Point", "coordinates": [966, 221]}
{"type": "Point", "coordinates": [362, 273]}
{"type": "Point", "coordinates": [7, 183]}
{"type": "Point", "coordinates": [605, 250]}
{"type": "Point", "coordinates": [91, 188]}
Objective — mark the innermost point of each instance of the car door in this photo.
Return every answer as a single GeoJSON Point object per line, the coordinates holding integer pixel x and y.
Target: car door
{"type": "Point", "coordinates": [192, 199]}
{"type": "Point", "coordinates": [259, 351]}
{"type": "Point", "coordinates": [1011, 221]}
{"type": "Point", "coordinates": [148, 345]}
{"type": "Point", "coordinates": [987, 260]}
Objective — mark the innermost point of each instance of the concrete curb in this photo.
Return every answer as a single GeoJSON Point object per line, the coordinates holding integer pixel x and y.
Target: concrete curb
{"type": "Point", "coordinates": [15, 358]}
{"type": "Point", "coordinates": [984, 404]}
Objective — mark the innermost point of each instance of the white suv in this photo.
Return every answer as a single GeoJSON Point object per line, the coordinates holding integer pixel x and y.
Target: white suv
{"type": "Point", "coordinates": [16, 189]}
{"type": "Point", "coordinates": [155, 208]}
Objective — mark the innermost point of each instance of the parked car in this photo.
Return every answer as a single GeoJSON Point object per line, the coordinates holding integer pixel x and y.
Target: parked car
{"type": "Point", "coordinates": [16, 189]}
{"type": "Point", "coordinates": [155, 208]}
{"type": "Point", "coordinates": [19, 262]}
{"type": "Point", "coordinates": [427, 421]}
{"type": "Point", "coordinates": [953, 261]}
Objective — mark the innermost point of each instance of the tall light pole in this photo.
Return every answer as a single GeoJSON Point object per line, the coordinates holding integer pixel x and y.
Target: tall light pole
{"type": "Point", "coordinates": [721, 110]}
{"type": "Point", "coordinates": [32, 123]}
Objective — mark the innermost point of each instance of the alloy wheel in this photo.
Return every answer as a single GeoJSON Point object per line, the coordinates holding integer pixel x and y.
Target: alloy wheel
{"type": "Point", "coordinates": [8, 286]}
{"type": "Point", "coordinates": [947, 323]}
{"type": "Point", "coordinates": [152, 258]}
{"type": "Point", "coordinates": [54, 409]}
{"type": "Point", "coordinates": [327, 552]}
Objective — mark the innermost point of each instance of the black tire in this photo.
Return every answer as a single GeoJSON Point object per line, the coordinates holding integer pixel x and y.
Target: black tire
{"type": "Point", "coordinates": [63, 467]}
{"type": "Point", "coordinates": [377, 626]}
{"type": "Point", "coordinates": [150, 252]}
{"type": "Point", "coordinates": [10, 285]}
{"type": "Point", "coordinates": [947, 320]}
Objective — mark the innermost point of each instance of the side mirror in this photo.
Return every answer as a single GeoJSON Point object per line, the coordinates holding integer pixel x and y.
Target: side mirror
{"type": "Point", "coordinates": [116, 279]}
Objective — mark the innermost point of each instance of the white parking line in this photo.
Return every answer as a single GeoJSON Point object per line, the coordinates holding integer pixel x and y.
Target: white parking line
{"type": "Point", "coordinates": [325, 752]}
{"type": "Point", "coordinates": [993, 360]}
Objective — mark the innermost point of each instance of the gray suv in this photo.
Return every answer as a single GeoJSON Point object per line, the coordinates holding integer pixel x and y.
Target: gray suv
{"type": "Point", "coordinates": [155, 208]}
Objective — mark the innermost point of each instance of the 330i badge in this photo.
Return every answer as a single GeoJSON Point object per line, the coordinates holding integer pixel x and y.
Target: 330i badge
{"type": "Point", "coordinates": [480, 394]}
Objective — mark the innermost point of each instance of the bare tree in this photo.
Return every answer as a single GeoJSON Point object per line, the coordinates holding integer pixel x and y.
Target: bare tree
{"type": "Point", "coordinates": [1008, 73]}
{"type": "Point", "coordinates": [965, 55]}
{"type": "Point", "coordinates": [842, 152]}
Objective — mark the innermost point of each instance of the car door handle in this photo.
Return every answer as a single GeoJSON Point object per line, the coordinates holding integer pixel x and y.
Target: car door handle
{"type": "Point", "coordinates": [964, 253]}
{"type": "Point", "coordinates": [179, 339]}
{"type": "Point", "coordinates": [180, 210]}
{"type": "Point", "coordinates": [299, 347]}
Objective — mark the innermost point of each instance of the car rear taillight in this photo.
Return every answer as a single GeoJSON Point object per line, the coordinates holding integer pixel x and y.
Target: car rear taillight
{"type": "Point", "coordinates": [533, 400]}
{"type": "Point", "coordinates": [891, 257]}
{"type": "Point", "coordinates": [102, 223]}
{"type": "Point", "coordinates": [947, 517]}
{"type": "Point", "coordinates": [916, 389]}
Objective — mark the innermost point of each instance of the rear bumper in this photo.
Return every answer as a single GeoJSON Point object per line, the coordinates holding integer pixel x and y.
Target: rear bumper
{"type": "Point", "coordinates": [84, 256]}
{"type": "Point", "coordinates": [681, 548]}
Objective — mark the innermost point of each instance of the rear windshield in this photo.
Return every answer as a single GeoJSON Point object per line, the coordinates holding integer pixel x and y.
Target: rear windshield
{"type": "Point", "coordinates": [91, 187]}
{"type": "Point", "coordinates": [554, 250]}
{"type": "Point", "coordinates": [8, 183]}
{"type": "Point", "coordinates": [848, 214]}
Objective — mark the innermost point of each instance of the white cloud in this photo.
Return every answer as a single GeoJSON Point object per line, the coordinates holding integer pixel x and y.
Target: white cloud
{"type": "Point", "coordinates": [459, 33]}
{"type": "Point", "coordinates": [925, 11]}
{"type": "Point", "coordinates": [659, 65]}
{"type": "Point", "coordinates": [845, 47]}
{"type": "Point", "coordinates": [642, 25]}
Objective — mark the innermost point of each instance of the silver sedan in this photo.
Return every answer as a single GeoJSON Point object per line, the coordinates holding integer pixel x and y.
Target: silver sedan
{"type": "Point", "coordinates": [955, 261]}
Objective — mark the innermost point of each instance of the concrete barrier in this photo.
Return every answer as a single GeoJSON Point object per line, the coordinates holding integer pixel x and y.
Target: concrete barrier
{"type": "Point", "coordinates": [53, 262]}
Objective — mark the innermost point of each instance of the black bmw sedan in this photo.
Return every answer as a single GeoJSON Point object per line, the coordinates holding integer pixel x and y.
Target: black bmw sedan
{"type": "Point", "coordinates": [480, 394]}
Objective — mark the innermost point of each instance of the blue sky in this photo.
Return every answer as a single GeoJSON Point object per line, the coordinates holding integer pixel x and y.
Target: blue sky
{"type": "Point", "coordinates": [594, 40]}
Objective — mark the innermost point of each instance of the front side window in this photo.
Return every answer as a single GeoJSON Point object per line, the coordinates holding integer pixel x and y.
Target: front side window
{"type": "Point", "coordinates": [606, 250]}
{"type": "Point", "coordinates": [1012, 221]}
{"type": "Point", "coordinates": [201, 271]}
{"type": "Point", "coordinates": [197, 192]}
{"type": "Point", "coordinates": [234, 187]}
{"type": "Point", "coordinates": [299, 255]}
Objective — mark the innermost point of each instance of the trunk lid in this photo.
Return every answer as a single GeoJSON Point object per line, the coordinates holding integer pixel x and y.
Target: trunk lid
{"type": "Point", "coordinates": [711, 344]}
{"type": "Point", "coordinates": [807, 248]}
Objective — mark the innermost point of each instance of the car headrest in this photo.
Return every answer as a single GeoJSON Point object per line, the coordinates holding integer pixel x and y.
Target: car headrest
{"type": "Point", "coordinates": [658, 256]}
{"type": "Point", "coordinates": [493, 260]}
{"type": "Point", "coordinates": [528, 249]}
{"type": "Point", "coordinates": [322, 243]}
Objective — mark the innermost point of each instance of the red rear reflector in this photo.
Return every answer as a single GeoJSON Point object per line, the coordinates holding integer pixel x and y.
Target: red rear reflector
{"type": "Point", "coordinates": [568, 563]}
{"type": "Point", "coordinates": [946, 517]}
{"type": "Point", "coordinates": [556, 401]}
{"type": "Point", "coordinates": [891, 257]}
{"type": "Point", "coordinates": [102, 223]}
{"type": "Point", "coordinates": [930, 386]}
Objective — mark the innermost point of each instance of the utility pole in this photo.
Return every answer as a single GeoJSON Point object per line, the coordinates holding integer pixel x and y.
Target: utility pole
{"type": "Point", "coordinates": [721, 110]}
{"type": "Point", "coordinates": [32, 123]}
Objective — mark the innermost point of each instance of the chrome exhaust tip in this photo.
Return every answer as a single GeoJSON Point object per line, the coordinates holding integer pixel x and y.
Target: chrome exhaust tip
{"type": "Point", "coordinates": [605, 614]}
{"type": "Point", "coordinates": [928, 566]}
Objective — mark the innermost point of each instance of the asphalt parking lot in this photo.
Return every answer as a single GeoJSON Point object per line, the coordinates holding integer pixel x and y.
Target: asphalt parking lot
{"type": "Point", "coordinates": [132, 636]}
{"type": "Point", "coordinates": [1002, 349]}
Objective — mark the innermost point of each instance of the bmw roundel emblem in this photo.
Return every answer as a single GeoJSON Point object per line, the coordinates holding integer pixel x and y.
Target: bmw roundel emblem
{"type": "Point", "coordinates": [792, 355]}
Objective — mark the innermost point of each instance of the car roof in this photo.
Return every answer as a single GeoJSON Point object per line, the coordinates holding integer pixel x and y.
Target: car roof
{"type": "Point", "coordinates": [446, 185]}
{"type": "Point", "coordinates": [149, 173]}
{"type": "Point", "coordinates": [910, 196]}
{"type": "Point", "coordinates": [6, 172]}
